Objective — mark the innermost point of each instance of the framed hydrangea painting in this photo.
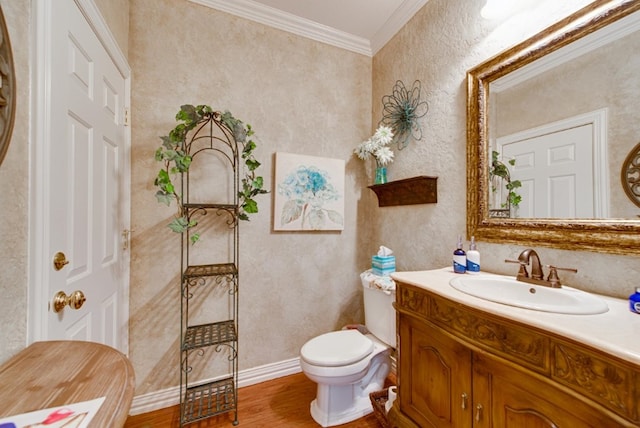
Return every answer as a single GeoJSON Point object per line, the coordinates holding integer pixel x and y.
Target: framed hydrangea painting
{"type": "Point", "coordinates": [309, 193]}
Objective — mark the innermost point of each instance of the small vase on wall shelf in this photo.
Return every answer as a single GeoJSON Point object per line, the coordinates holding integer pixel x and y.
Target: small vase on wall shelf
{"type": "Point", "coordinates": [381, 174]}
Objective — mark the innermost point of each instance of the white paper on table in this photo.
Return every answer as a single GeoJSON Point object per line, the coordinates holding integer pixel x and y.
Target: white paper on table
{"type": "Point", "coordinates": [76, 415]}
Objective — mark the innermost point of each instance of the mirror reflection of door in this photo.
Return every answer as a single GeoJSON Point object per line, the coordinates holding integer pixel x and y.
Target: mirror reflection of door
{"type": "Point", "coordinates": [560, 168]}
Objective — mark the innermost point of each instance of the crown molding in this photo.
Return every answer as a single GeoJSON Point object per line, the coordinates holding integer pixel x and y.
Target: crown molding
{"type": "Point", "coordinates": [399, 19]}
{"type": "Point", "coordinates": [276, 18]}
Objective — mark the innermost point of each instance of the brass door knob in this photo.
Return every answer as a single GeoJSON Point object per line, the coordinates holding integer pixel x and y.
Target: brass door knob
{"type": "Point", "coordinates": [75, 300]}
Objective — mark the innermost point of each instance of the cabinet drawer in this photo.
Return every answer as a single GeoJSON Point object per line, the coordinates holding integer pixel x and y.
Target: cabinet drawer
{"type": "Point", "coordinates": [509, 340]}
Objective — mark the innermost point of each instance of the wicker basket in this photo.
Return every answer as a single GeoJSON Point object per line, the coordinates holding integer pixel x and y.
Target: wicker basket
{"type": "Point", "coordinates": [378, 400]}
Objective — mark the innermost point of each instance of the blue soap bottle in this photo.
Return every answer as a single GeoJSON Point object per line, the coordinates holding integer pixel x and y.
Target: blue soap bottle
{"type": "Point", "coordinates": [634, 301]}
{"type": "Point", "coordinates": [459, 258]}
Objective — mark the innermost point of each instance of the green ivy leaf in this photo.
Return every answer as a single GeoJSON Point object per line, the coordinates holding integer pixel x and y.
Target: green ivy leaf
{"type": "Point", "coordinates": [164, 198]}
{"type": "Point", "coordinates": [183, 163]}
{"type": "Point", "coordinates": [258, 182]}
{"type": "Point", "coordinates": [203, 110]}
{"type": "Point", "coordinates": [166, 142]}
{"type": "Point", "coordinates": [252, 164]}
{"type": "Point", "coordinates": [179, 224]}
{"type": "Point", "coordinates": [250, 206]}
{"type": "Point", "coordinates": [249, 147]}
{"type": "Point", "coordinates": [162, 177]}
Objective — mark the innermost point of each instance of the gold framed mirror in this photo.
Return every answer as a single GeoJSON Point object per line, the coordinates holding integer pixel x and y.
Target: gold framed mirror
{"type": "Point", "coordinates": [601, 234]}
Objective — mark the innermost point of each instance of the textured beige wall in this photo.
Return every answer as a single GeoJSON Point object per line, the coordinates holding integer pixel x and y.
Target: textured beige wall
{"type": "Point", "coordinates": [438, 46]}
{"type": "Point", "coordinates": [116, 14]}
{"type": "Point", "coordinates": [14, 197]}
{"type": "Point", "coordinates": [301, 97]}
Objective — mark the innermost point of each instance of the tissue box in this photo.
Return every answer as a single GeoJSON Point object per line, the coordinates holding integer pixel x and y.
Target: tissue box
{"type": "Point", "coordinates": [383, 265]}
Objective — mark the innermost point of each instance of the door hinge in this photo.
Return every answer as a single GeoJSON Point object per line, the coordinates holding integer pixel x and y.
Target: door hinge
{"type": "Point", "coordinates": [127, 115]}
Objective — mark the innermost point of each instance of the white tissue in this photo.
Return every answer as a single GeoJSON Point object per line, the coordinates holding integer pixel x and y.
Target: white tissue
{"type": "Point", "coordinates": [384, 251]}
{"type": "Point", "coordinates": [393, 394]}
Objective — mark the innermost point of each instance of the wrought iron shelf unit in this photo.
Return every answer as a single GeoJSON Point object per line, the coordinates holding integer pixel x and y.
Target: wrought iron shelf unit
{"type": "Point", "coordinates": [208, 347]}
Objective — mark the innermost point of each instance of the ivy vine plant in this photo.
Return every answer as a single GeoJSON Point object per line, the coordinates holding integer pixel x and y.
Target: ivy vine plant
{"type": "Point", "coordinates": [500, 169]}
{"type": "Point", "coordinates": [175, 155]}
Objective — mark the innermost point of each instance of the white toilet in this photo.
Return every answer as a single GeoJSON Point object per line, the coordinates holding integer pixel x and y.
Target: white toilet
{"type": "Point", "coordinates": [347, 365]}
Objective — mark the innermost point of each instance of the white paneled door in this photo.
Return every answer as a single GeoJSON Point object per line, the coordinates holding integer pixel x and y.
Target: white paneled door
{"type": "Point", "coordinates": [556, 173]}
{"type": "Point", "coordinates": [563, 167]}
{"type": "Point", "coordinates": [80, 274]}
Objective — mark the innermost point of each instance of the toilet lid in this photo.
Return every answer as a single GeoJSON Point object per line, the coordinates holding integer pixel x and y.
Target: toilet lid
{"type": "Point", "coordinates": [337, 348]}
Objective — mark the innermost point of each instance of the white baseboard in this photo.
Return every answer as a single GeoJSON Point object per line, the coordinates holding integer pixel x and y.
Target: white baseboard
{"type": "Point", "coordinates": [171, 396]}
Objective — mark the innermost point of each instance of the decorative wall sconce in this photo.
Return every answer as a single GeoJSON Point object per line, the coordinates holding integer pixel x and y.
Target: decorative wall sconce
{"type": "Point", "coordinates": [7, 89]}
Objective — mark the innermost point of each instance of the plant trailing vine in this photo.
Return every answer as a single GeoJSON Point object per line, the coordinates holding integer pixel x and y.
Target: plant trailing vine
{"type": "Point", "coordinates": [499, 169]}
{"type": "Point", "coordinates": [175, 153]}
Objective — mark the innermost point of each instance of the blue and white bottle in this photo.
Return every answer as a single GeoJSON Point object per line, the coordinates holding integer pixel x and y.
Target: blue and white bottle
{"type": "Point", "coordinates": [459, 258]}
{"type": "Point", "coordinates": [634, 301]}
{"type": "Point", "coordinates": [473, 258]}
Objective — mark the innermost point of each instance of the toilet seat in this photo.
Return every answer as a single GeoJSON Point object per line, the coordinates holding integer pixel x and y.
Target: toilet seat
{"type": "Point", "coordinates": [337, 348]}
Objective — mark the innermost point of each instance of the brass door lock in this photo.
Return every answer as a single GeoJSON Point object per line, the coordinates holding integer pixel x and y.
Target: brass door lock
{"type": "Point", "coordinates": [59, 260]}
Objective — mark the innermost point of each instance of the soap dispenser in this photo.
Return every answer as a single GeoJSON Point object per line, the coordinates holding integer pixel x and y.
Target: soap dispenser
{"type": "Point", "coordinates": [473, 258]}
{"type": "Point", "coordinates": [459, 258]}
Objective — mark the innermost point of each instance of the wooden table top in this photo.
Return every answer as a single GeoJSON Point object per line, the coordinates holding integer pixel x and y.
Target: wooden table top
{"type": "Point", "coordinates": [57, 373]}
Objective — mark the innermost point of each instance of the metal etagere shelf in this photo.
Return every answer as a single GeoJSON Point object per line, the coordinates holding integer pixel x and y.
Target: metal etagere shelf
{"type": "Point", "coordinates": [204, 392]}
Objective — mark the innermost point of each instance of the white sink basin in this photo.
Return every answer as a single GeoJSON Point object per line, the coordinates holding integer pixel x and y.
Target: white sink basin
{"type": "Point", "coordinates": [508, 291]}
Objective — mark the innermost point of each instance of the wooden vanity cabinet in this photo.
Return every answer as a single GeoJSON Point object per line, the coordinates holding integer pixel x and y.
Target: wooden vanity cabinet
{"type": "Point", "coordinates": [459, 367]}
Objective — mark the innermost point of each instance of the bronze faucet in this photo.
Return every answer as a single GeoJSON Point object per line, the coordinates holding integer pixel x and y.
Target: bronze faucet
{"type": "Point", "coordinates": [537, 274]}
{"type": "Point", "coordinates": [536, 268]}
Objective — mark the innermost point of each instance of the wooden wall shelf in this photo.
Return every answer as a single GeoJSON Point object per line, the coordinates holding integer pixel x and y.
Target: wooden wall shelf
{"type": "Point", "coordinates": [410, 191]}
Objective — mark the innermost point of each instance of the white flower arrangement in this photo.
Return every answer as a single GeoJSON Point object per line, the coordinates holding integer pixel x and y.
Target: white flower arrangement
{"type": "Point", "coordinates": [377, 146]}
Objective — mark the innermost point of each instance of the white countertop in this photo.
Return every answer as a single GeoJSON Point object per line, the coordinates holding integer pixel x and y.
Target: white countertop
{"type": "Point", "coordinates": [616, 331]}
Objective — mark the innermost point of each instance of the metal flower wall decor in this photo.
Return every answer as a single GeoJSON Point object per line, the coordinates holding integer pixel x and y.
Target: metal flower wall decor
{"type": "Point", "coordinates": [402, 109]}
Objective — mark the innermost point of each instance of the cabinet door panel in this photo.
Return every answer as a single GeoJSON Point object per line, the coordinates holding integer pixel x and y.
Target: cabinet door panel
{"type": "Point", "coordinates": [435, 387]}
{"type": "Point", "coordinates": [514, 399]}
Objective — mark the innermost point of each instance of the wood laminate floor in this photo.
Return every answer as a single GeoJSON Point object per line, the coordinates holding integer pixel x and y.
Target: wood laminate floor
{"type": "Point", "coordinates": [282, 402]}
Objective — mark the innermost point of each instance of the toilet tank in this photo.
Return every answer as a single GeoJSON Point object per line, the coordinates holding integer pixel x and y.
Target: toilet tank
{"type": "Point", "coordinates": [379, 314]}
